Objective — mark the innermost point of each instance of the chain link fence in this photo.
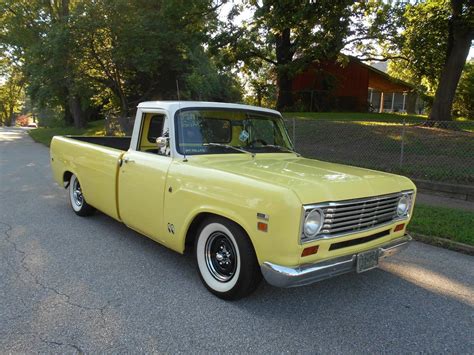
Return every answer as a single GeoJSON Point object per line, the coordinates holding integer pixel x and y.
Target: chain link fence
{"type": "Point", "coordinates": [444, 153]}
{"type": "Point", "coordinates": [415, 149]}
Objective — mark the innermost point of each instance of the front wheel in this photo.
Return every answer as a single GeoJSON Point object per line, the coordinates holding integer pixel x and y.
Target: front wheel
{"type": "Point", "coordinates": [226, 259]}
{"type": "Point", "coordinates": [78, 202]}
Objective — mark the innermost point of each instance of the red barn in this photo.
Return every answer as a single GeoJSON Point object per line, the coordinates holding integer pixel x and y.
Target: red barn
{"type": "Point", "coordinates": [354, 86]}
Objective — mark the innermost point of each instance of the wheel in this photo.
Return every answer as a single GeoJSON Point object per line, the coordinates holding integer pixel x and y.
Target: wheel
{"type": "Point", "coordinates": [78, 202]}
{"type": "Point", "coordinates": [226, 260]}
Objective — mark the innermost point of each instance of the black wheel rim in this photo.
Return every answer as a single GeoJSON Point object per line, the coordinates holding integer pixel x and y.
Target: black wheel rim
{"type": "Point", "coordinates": [221, 257]}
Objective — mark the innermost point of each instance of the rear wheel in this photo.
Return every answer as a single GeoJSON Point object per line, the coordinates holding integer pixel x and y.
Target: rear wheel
{"type": "Point", "coordinates": [78, 202]}
{"type": "Point", "coordinates": [226, 260]}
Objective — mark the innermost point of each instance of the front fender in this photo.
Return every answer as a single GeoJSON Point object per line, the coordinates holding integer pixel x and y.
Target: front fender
{"type": "Point", "coordinates": [197, 190]}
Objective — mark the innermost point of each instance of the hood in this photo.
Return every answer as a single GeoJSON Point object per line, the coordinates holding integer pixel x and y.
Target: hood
{"type": "Point", "coordinates": [313, 181]}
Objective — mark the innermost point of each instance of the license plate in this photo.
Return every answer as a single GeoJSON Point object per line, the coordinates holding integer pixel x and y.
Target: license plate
{"type": "Point", "coordinates": [367, 261]}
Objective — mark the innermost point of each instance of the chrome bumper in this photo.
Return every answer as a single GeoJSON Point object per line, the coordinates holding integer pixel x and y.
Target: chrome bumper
{"type": "Point", "coordinates": [283, 276]}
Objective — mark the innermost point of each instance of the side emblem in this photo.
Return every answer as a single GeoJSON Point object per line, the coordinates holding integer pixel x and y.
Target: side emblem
{"type": "Point", "coordinates": [170, 228]}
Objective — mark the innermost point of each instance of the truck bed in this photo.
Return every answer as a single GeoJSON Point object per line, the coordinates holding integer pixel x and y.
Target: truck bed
{"type": "Point", "coordinates": [120, 143]}
{"type": "Point", "coordinates": [95, 162]}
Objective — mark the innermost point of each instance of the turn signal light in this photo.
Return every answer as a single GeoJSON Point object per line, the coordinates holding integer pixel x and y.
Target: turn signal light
{"type": "Point", "coordinates": [310, 250]}
{"type": "Point", "coordinates": [261, 226]}
{"type": "Point", "coordinates": [399, 227]}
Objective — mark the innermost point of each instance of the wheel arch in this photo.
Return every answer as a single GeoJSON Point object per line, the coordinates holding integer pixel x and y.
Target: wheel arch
{"type": "Point", "coordinates": [197, 220]}
{"type": "Point", "coordinates": [67, 177]}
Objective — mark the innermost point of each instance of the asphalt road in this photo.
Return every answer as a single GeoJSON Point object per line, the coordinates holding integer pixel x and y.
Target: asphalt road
{"type": "Point", "coordinates": [71, 284]}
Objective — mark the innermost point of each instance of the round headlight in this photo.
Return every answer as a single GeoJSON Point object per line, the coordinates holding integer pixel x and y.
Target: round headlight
{"type": "Point", "coordinates": [403, 206]}
{"type": "Point", "coordinates": [313, 223]}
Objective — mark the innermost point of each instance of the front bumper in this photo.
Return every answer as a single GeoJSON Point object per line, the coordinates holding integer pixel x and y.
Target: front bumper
{"type": "Point", "coordinates": [283, 276]}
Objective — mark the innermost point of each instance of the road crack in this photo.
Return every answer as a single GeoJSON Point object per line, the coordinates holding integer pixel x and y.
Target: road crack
{"type": "Point", "coordinates": [67, 298]}
{"type": "Point", "coordinates": [57, 343]}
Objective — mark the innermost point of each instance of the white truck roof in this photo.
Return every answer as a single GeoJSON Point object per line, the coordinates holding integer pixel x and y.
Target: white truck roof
{"type": "Point", "coordinates": [175, 105]}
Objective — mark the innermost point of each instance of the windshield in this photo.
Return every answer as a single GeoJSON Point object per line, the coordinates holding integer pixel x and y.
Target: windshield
{"type": "Point", "coordinates": [216, 131]}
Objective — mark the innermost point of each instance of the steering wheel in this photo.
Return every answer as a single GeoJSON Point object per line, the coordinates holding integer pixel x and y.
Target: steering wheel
{"type": "Point", "coordinates": [261, 141]}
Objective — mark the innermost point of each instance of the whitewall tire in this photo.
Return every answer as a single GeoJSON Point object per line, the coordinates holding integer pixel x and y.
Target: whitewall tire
{"type": "Point", "coordinates": [77, 199]}
{"type": "Point", "coordinates": [226, 259]}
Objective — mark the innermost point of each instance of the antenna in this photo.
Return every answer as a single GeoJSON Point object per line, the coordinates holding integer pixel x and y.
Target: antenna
{"type": "Point", "coordinates": [181, 133]}
{"type": "Point", "coordinates": [177, 90]}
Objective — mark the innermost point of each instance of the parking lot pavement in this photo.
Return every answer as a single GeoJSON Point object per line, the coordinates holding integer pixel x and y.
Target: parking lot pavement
{"type": "Point", "coordinates": [71, 284]}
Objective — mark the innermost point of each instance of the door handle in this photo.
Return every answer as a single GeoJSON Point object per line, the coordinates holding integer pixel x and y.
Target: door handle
{"type": "Point", "coordinates": [128, 160]}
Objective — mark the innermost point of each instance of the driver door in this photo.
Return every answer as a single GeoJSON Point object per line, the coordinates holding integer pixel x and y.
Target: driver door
{"type": "Point", "coordinates": [142, 180]}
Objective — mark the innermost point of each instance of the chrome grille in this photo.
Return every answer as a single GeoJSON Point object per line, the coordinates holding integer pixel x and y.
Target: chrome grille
{"type": "Point", "coordinates": [351, 216]}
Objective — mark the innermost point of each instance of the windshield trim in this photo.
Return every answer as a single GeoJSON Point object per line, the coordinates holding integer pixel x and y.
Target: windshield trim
{"type": "Point", "coordinates": [259, 112]}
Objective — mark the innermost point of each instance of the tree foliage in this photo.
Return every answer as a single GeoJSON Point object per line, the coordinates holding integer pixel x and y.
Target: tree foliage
{"type": "Point", "coordinates": [91, 55]}
{"type": "Point", "coordinates": [292, 34]}
{"type": "Point", "coordinates": [424, 45]}
{"type": "Point", "coordinates": [437, 35]}
{"type": "Point", "coordinates": [11, 91]}
{"type": "Point", "coordinates": [460, 35]}
{"type": "Point", "coordinates": [464, 100]}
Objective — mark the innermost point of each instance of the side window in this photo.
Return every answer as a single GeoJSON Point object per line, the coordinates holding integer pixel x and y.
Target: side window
{"type": "Point", "coordinates": [155, 128]}
{"type": "Point", "coordinates": [152, 128]}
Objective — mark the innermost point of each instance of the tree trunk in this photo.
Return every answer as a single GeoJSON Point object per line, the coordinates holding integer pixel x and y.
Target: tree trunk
{"type": "Point", "coordinates": [12, 117]}
{"type": "Point", "coordinates": [461, 34]}
{"type": "Point", "coordinates": [76, 111]}
{"type": "Point", "coordinates": [284, 56]}
{"type": "Point", "coordinates": [67, 109]}
{"type": "Point", "coordinates": [123, 105]}
{"type": "Point", "coordinates": [285, 93]}
{"type": "Point", "coordinates": [259, 97]}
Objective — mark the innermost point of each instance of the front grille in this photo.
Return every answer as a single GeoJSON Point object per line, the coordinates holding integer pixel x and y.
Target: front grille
{"type": "Point", "coordinates": [352, 216]}
{"type": "Point", "coordinates": [358, 215]}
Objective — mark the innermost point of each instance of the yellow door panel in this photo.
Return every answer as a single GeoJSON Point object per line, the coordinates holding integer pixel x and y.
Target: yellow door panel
{"type": "Point", "coordinates": [141, 188]}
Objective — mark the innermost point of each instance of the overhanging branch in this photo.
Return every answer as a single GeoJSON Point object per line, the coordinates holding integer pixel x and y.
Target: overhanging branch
{"type": "Point", "coordinates": [258, 55]}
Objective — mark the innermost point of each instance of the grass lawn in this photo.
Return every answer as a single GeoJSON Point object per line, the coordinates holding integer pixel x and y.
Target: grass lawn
{"type": "Point", "coordinates": [454, 224]}
{"type": "Point", "coordinates": [44, 135]}
{"type": "Point", "coordinates": [374, 141]}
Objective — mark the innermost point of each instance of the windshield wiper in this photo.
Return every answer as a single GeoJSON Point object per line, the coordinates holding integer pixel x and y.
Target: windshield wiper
{"type": "Point", "coordinates": [228, 146]}
{"type": "Point", "coordinates": [282, 148]}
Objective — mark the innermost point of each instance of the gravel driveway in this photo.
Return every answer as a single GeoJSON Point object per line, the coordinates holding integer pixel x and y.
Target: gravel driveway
{"type": "Point", "coordinates": [71, 284]}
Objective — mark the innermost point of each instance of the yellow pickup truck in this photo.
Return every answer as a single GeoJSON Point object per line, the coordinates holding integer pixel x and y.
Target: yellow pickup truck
{"type": "Point", "coordinates": [224, 181]}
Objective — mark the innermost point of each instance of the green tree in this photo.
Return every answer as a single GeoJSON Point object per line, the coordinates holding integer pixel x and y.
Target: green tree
{"type": "Point", "coordinates": [463, 104]}
{"type": "Point", "coordinates": [207, 82]}
{"type": "Point", "coordinates": [37, 34]}
{"type": "Point", "coordinates": [90, 55]}
{"type": "Point", "coordinates": [459, 39]}
{"type": "Point", "coordinates": [139, 55]}
{"type": "Point", "coordinates": [437, 36]}
{"type": "Point", "coordinates": [11, 92]}
{"type": "Point", "coordinates": [260, 82]}
{"type": "Point", "coordinates": [292, 34]}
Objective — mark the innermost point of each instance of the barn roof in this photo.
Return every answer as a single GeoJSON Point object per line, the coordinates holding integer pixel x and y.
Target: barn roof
{"type": "Point", "coordinates": [381, 81]}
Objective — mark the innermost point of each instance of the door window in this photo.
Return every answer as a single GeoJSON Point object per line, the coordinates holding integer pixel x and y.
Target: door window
{"type": "Point", "coordinates": [155, 128]}
{"type": "Point", "coordinates": [152, 128]}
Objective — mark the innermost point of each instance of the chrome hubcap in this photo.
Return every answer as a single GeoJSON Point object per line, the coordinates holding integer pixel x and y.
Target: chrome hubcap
{"type": "Point", "coordinates": [220, 257]}
{"type": "Point", "coordinates": [77, 193]}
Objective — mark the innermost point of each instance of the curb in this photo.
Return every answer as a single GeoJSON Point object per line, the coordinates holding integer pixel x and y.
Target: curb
{"type": "Point", "coordinates": [444, 243]}
{"type": "Point", "coordinates": [456, 191]}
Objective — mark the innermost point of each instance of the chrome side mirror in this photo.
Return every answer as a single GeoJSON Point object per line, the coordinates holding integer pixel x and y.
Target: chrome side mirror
{"type": "Point", "coordinates": [162, 142]}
